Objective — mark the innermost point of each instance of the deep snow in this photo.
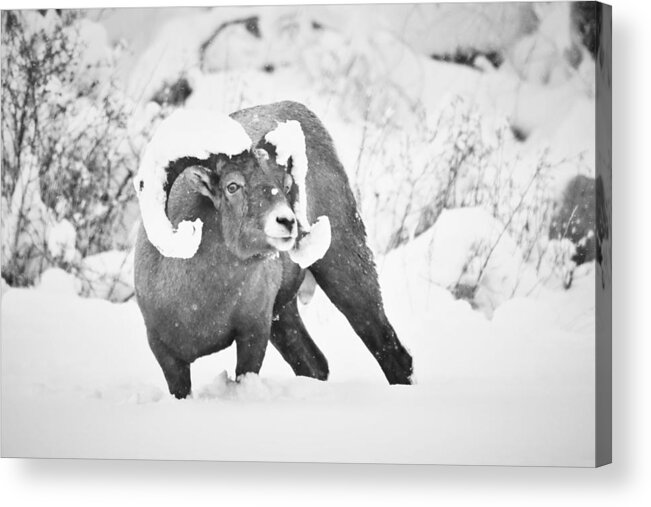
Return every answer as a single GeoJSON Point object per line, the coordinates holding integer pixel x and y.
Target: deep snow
{"type": "Point", "coordinates": [80, 381]}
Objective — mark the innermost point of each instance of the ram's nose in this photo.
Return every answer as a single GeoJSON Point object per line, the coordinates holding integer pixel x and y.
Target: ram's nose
{"type": "Point", "coordinates": [288, 221]}
{"type": "Point", "coordinates": [281, 227]}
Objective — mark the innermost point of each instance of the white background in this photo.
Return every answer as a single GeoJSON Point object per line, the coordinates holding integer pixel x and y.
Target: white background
{"type": "Point", "coordinates": [625, 482]}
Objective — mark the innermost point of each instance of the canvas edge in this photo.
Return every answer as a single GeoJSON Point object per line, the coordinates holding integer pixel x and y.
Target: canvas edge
{"type": "Point", "coordinates": [603, 277]}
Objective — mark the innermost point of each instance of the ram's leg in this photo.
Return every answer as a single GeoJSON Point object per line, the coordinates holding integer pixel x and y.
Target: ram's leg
{"type": "Point", "coordinates": [176, 371]}
{"type": "Point", "coordinates": [251, 347]}
{"type": "Point", "coordinates": [291, 339]}
{"type": "Point", "coordinates": [348, 277]}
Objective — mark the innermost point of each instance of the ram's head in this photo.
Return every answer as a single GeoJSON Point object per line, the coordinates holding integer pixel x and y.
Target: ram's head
{"type": "Point", "coordinates": [262, 203]}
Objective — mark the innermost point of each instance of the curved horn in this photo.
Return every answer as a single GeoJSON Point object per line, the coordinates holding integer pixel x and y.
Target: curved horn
{"type": "Point", "coordinates": [185, 133]}
{"type": "Point", "coordinates": [289, 140]}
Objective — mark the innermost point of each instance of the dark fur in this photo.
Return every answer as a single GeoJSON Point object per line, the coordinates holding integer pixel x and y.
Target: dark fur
{"type": "Point", "coordinates": [201, 305]}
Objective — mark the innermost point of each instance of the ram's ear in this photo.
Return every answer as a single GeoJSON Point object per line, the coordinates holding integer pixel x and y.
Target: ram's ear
{"type": "Point", "coordinates": [203, 180]}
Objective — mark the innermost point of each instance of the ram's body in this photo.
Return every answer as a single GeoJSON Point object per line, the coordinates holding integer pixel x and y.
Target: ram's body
{"type": "Point", "coordinates": [202, 304]}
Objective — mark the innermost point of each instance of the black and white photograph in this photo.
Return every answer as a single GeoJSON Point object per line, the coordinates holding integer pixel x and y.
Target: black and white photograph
{"type": "Point", "coordinates": [308, 233]}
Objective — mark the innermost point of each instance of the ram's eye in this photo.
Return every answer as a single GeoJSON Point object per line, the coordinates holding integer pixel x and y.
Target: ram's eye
{"type": "Point", "coordinates": [287, 183]}
{"type": "Point", "coordinates": [231, 188]}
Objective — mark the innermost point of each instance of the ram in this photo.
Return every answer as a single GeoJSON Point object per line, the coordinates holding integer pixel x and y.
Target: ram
{"type": "Point", "coordinates": [235, 212]}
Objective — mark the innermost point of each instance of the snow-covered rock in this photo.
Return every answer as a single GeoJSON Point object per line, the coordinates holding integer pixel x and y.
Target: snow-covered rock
{"type": "Point", "coordinates": [469, 253]}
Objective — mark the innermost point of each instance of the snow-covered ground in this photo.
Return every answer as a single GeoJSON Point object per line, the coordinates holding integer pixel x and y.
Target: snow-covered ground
{"type": "Point", "coordinates": [80, 381]}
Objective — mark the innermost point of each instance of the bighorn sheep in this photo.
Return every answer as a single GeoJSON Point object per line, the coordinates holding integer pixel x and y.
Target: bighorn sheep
{"type": "Point", "coordinates": [235, 210]}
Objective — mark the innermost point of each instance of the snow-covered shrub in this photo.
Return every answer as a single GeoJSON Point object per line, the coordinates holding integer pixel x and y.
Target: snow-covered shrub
{"type": "Point", "coordinates": [25, 221]}
{"type": "Point", "coordinates": [67, 151]}
{"type": "Point", "coordinates": [107, 275]}
{"type": "Point", "coordinates": [575, 218]}
{"type": "Point", "coordinates": [556, 266]}
{"type": "Point", "coordinates": [408, 181]}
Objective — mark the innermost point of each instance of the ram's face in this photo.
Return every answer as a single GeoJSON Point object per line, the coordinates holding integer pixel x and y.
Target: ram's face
{"type": "Point", "coordinates": [251, 195]}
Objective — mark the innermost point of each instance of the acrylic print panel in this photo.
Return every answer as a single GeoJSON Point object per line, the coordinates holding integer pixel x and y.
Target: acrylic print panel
{"type": "Point", "coordinates": [461, 137]}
